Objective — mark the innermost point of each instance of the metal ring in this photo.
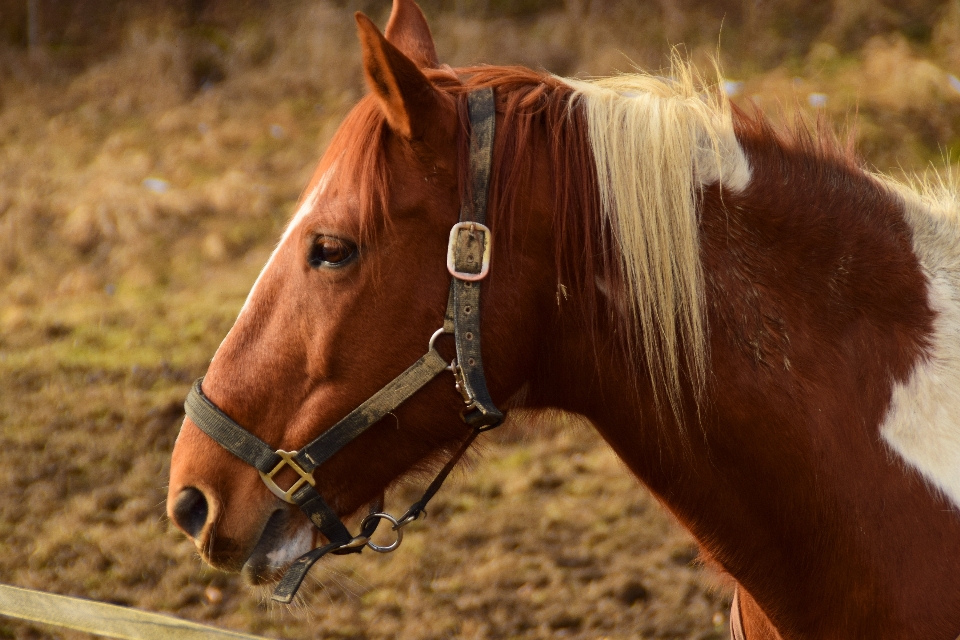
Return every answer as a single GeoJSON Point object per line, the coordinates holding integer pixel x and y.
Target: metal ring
{"type": "Point", "coordinates": [391, 519]}
{"type": "Point", "coordinates": [433, 338]}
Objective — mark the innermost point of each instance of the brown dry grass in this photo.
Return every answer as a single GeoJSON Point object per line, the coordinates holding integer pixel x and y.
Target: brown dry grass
{"type": "Point", "coordinates": [113, 297]}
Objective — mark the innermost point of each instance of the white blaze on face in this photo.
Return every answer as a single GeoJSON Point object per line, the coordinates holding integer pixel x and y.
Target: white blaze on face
{"type": "Point", "coordinates": [308, 205]}
{"type": "Point", "coordinates": [923, 423]}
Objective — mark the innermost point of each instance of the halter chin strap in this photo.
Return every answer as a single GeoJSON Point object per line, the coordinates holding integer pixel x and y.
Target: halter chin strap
{"type": "Point", "coordinates": [468, 260]}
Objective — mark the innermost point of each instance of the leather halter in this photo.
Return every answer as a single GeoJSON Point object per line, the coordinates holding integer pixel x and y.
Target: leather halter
{"type": "Point", "coordinates": [468, 260]}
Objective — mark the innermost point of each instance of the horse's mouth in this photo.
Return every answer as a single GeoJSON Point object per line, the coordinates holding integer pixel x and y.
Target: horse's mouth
{"type": "Point", "coordinates": [275, 551]}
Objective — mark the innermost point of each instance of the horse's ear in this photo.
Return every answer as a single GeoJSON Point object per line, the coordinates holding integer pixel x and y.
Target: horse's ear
{"type": "Point", "coordinates": [411, 103]}
{"type": "Point", "coordinates": [407, 30]}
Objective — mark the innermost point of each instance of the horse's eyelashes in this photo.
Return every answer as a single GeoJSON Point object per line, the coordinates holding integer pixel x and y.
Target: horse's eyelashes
{"type": "Point", "coordinates": [329, 251]}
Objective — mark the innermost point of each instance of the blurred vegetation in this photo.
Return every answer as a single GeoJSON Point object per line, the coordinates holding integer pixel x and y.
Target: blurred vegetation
{"type": "Point", "coordinates": [769, 32]}
{"type": "Point", "coordinates": [150, 153]}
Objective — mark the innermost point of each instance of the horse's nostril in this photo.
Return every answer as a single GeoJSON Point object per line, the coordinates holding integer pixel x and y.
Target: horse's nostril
{"type": "Point", "coordinates": [190, 511]}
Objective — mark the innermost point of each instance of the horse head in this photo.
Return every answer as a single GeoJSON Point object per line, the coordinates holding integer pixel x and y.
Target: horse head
{"type": "Point", "coordinates": [350, 297]}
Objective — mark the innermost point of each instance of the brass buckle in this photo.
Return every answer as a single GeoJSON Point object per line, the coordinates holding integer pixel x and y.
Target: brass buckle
{"type": "Point", "coordinates": [287, 459]}
{"type": "Point", "coordinates": [469, 227]}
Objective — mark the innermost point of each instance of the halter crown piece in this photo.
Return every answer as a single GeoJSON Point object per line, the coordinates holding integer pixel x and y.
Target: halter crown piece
{"type": "Point", "coordinates": [468, 261]}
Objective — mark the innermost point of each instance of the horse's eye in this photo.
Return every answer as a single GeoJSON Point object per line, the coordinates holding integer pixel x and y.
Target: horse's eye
{"type": "Point", "coordinates": [330, 251]}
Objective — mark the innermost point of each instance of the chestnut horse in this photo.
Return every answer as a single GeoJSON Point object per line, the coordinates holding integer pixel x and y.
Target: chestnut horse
{"type": "Point", "coordinates": [765, 333]}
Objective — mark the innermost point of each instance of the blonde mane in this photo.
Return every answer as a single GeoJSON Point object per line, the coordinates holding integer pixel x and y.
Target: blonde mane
{"type": "Point", "coordinates": [656, 142]}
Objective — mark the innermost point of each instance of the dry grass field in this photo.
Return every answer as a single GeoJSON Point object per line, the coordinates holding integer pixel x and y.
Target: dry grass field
{"type": "Point", "coordinates": [142, 186]}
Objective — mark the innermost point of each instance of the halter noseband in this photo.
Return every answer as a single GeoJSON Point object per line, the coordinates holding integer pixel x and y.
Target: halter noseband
{"type": "Point", "coordinates": [468, 260]}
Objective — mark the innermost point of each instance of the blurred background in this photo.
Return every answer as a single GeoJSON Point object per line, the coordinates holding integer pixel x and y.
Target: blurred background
{"type": "Point", "coordinates": [150, 154]}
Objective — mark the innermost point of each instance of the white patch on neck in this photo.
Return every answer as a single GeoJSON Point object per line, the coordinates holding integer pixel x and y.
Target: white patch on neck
{"type": "Point", "coordinates": [923, 423]}
{"type": "Point", "coordinates": [308, 205]}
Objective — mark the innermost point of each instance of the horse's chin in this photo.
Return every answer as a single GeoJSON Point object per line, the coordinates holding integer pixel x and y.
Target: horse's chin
{"type": "Point", "coordinates": [276, 550]}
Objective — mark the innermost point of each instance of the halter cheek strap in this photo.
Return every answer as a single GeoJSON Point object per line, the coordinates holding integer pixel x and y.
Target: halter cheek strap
{"type": "Point", "coordinates": [468, 260]}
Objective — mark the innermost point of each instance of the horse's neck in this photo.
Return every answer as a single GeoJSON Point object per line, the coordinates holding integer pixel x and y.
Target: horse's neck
{"type": "Point", "coordinates": [816, 309]}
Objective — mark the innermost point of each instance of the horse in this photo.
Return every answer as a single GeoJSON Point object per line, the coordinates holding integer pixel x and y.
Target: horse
{"type": "Point", "coordinates": [766, 334]}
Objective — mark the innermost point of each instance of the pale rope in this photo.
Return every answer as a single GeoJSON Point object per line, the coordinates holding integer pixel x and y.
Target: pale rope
{"type": "Point", "coordinates": [107, 620]}
{"type": "Point", "coordinates": [656, 141]}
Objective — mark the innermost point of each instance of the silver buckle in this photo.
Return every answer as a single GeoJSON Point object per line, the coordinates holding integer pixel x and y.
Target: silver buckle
{"type": "Point", "coordinates": [470, 227]}
{"type": "Point", "coordinates": [287, 459]}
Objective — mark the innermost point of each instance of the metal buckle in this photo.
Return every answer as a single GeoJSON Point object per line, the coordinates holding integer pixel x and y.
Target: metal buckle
{"type": "Point", "coordinates": [287, 459]}
{"type": "Point", "coordinates": [460, 385]}
{"type": "Point", "coordinates": [470, 227]}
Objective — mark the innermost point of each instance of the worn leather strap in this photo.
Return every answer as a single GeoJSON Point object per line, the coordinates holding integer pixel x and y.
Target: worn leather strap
{"type": "Point", "coordinates": [378, 405]}
{"type": "Point", "coordinates": [469, 247]}
{"type": "Point", "coordinates": [288, 586]}
{"type": "Point", "coordinates": [230, 435]}
{"type": "Point", "coordinates": [293, 578]}
{"type": "Point", "coordinates": [483, 124]}
{"type": "Point", "coordinates": [295, 574]}
{"type": "Point", "coordinates": [321, 515]}
{"type": "Point", "coordinates": [255, 452]}
{"type": "Point", "coordinates": [419, 507]}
